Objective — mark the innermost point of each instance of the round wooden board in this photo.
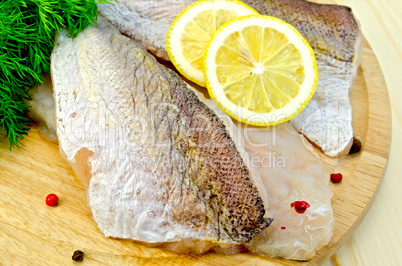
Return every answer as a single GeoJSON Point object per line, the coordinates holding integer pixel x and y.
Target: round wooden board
{"type": "Point", "coordinates": [33, 233]}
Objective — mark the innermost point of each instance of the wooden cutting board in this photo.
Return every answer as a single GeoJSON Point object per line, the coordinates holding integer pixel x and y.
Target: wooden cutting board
{"type": "Point", "coordinates": [33, 233]}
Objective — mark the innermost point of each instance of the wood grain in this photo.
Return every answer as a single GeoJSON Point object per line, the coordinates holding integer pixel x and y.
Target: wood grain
{"type": "Point", "coordinates": [33, 233]}
{"type": "Point", "coordinates": [378, 239]}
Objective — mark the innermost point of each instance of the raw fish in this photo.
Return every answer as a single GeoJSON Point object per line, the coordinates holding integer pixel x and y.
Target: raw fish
{"type": "Point", "coordinates": [280, 166]}
{"type": "Point", "coordinates": [285, 169]}
{"type": "Point", "coordinates": [159, 165]}
{"type": "Point", "coordinates": [42, 109]}
{"type": "Point", "coordinates": [290, 171]}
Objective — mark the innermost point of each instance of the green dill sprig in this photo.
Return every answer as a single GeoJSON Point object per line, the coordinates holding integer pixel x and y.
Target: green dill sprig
{"type": "Point", "coordinates": [27, 31]}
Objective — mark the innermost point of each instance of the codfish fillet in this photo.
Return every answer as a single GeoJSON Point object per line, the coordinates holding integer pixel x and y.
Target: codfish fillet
{"type": "Point", "coordinates": [159, 165]}
{"type": "Point", "coordinates": [331, 30]}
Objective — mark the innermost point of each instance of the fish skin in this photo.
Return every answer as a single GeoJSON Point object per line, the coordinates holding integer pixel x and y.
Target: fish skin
{"type": "Point", "coordinates": [316, 22]}
{"type": "Point", "coordinates": [331, 30]}
{"type": "Point", "coordinates": [145, 21]}
{"type": "Point", "coordinates": [128, 121]}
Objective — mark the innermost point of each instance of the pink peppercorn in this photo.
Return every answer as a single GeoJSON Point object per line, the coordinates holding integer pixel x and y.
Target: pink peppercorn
{"type": "Point", "coordinates": [336, 178]}
{"type": "Point", "coordinates": [300, 206]}
{"type": "Point", "coordinates": [52, 200]}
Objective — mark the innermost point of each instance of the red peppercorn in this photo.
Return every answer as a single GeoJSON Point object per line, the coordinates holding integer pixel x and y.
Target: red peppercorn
{"type": "Point", "coordinates": [300, 206]}
{"type": "Point", "coordinates": [336, 178]}
{"type": "Point", "coordinates": [52, 200]}
{"type": "Point", "coordinates": [283, 228]}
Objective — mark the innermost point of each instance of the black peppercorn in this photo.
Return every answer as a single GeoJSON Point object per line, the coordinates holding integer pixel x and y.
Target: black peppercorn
{"type": "Point", "coordinates": [78, 255]}
{"type": "Point", "coordinates": [356, 146]}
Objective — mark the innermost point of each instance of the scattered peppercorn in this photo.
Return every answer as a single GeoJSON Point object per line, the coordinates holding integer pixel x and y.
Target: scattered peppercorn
{"type": "Point", "coordinates": [336, 178]}
{"type": "Point", "coordinates": [300, 206]}
{"type": "Point", "coordinates": [283, 228]}
{"type": "Point", "coordinates": [52, 200]}
{"type": "Point", "coordinates": [356, 146]}
{"type": "Point", "coordinates": [78, 255]}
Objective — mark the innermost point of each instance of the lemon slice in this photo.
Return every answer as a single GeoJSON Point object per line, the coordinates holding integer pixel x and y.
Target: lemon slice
{"type": "Point", "coordinates": [260, 70]}
{"type": "Point", "coordinates": [191, 30]}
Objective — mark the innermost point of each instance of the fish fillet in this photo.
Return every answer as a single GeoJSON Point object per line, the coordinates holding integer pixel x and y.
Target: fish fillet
{"type": "Point", "coordinates": [280, 161]}
{"type": "Point", "coordinates": [331, 30]}
{"type": "Point", "coordinates": [290, 171]}
{"type": "Point", "coordinates": [294, 174]}
{"type": "Point", "coordinates": [42, 108]}
{"type": "Point", "coordinates": [146, 21]}
{"type": "Point", "coordinates": [286, 171]}
{"type": "Point", "coordinates": [159, 165]}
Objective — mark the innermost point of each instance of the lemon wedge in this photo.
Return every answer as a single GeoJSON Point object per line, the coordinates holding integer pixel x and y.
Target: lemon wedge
{"type": "Point", "coordinates": [191, 30]}
{"type": "Point", "coordinates": [260, 70]}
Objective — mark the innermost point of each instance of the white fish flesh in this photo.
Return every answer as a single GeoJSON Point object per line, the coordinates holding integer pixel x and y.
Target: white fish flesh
{"type": "Point", "coordinates": [42, 109]}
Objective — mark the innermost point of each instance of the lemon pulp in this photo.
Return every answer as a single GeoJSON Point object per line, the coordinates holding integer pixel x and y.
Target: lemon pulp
{"type": "Point", "coordinates": [260, 70]}
{"type": "Point", "coordinates": [192, 29]}
{"type": "Point", "coordinates": [197, 33]}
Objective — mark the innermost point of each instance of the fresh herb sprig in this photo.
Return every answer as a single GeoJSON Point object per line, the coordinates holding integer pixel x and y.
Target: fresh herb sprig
{"type": "Point", "coordinates": [27, 31]}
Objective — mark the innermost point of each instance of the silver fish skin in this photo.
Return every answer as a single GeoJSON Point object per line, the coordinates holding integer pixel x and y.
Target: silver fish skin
{"type": "Point", "coordinates": [331, 30]}
{"type": "Point", "coordinates": [159, 165]}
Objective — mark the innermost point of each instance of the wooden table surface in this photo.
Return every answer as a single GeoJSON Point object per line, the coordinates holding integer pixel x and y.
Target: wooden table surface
{"type": "Point", "coordinates": [378, 239]}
